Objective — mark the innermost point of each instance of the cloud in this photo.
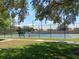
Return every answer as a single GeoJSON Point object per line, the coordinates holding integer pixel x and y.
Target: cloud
{"type": "Point", "coordinates": [44, 27]}
{"type": "Point", "coordinates": [19, 25]}
{"type": "Point", "coordinates": [74, 26]}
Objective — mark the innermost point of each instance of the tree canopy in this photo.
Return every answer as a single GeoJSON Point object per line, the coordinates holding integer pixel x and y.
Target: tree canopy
{"type": "Point", "coordinates": [4, 17]}
{"type": "Point", "coordinates": [14, 7]}
{"type": "Point", "coordinates": [58, 11]}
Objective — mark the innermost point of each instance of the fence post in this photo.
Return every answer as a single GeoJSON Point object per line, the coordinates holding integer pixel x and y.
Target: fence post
{"type": "Point", "coordinates": [39, 30]}
{"type": "Point", "coordinates": [4, 32]}
{"type": "Point", "coordinates": [50, 32]}
{"type": "Point", "coordinates": [64, 34]}
{"type": "Point", "coordinates": [10, 32]}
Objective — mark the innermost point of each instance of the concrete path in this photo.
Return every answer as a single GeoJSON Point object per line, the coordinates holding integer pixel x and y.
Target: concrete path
{"type": "Point", "coordinates": [13, 43]}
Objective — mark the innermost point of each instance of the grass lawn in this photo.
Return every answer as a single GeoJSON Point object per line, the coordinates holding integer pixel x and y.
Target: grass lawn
{"type": "Point", "coordinates": [38, 49]}
{"type": "Point", "coordinates": [46, 50]}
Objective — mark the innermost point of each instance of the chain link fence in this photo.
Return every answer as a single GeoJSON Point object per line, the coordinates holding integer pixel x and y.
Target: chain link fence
{"type": "Point", "coordinates": [39, 31]}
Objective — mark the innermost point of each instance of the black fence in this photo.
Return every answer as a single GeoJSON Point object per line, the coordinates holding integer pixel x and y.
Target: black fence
{"type": "Point", "coordinates": [39, 31]}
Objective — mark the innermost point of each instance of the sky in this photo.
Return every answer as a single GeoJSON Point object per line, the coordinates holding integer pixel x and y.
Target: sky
{"type": "Point", "coordinates": [30, 21]}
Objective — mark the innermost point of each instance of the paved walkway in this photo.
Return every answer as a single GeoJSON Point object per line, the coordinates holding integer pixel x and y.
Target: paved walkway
{"type": "Point", "coordinates": [12, 43]}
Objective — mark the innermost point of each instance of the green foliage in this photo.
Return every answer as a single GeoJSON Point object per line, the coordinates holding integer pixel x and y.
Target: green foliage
{"type": "Point", "coordinates": [58, 11]}
{"type": "Point", "coordinates": [4, 20]}
{"type": "Point", "coordinates": [29, 29]}
{"type": "Point", "coordinates": [63, 27]}
{"type": "Point", "coordinates": [14, 7]}
{"type": "Point", "coordinates": [4, 23]}
{"type": "Point", "coordinates": [17, 7]}
{"type": "Point", "coordinates": [41, 51]}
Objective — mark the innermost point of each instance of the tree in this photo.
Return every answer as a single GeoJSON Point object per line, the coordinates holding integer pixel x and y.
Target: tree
{"type": "Point", "coordinates": [62, 27]}
{"type": "Point", "coordinates": [4, 24]}
{"type": "Point", "coordinates": [28, 29]}
{"type": "Point", "coordinates": [4, 20]}
{"type": "Point", "coordinates": [14, 8]}
{"type": "Point", "coordinates": [58, 11]}
{"type": "Point", "coordinates": [63, 12]}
